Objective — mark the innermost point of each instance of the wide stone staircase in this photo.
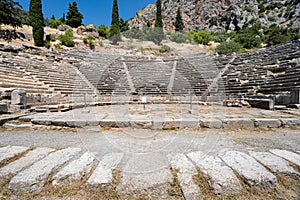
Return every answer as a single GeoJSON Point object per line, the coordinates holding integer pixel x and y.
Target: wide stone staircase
{"type": "Point", "coordinates": [150, 78]}
{"type": "Point", "coordinates": [41, 75]}
{"type": "Point", "coordinates": [273, 70]}
{"type": "Point", "coordinates": [170, 175]}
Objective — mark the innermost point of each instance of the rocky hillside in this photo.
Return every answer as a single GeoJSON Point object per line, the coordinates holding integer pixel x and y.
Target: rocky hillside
{"type": "Point", "coordinates": [216, 15]}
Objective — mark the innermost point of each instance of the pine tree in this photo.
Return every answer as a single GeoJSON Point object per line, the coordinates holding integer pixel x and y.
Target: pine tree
{"type": "Point", "coordinates": [10, 13]}
{"type": "Point", "coordinates": [115, 24]}
{"type": "Point", "coordinates": [178, 22]}
{"type": "Point", "coordinates": [74, 17]}
{"type": "Point", "coordinates": [37, 22]}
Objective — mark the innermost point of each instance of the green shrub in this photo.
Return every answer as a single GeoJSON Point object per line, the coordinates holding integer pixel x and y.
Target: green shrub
{"type": "Point", "coordinates": [146, 34]}
{"type": "Point", "coordinates": [202, 37]}
{"type": "Point", "coordinates": [142, 49]}
{"type": "Point", "coordinates": [57, 46]}
{"type": "Point", "coordinates": [67, 39]}
{"type": "Point", "coordinates": [54, 23]}
{"type": "Point", "coordinates": [179, 37]}
{"type": "Point", "coordinates": [47, 44]}
{"type": "Point", "coordinates": [103, 32]}
{"type": "Point", "coordinates": [101, 44]}
{"type": "Point", "coordinates": [91, 43]}
{"type": "Point", "coordinates": [228, 47]}
{"type": "Point", "coordinates": [90, 40]}
{"type": "Point", "coordinates": [164, 49]}
{"type": "Point", "coordinates": [52, 37]}
{"type": "Point", "coordinates": [248, 9]}
{"type": "Point", "coordinates": [85, 40]}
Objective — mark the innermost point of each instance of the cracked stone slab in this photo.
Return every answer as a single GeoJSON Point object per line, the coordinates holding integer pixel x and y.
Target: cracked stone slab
{"type": "Point", "coordinates": [221, 177]}
{"type": "Point", "coordinates": [290, 122]}
{"type": "Point", "coordinates": [77, 170]}
{"type": "Point", "coordinates": [9, 152]}
{"type": "Point", "coordinates": [146, 175]}
{"type": "Point", "coordinates": [32, 179]}
{"type": "Point", "coordinates": [185, 175]}
{"type": "Point", "coordinates": [211, 123]}
{"type": "Point", "coordinates": [112, 160]}
{"type": "Point", "coordinates": [288, 155]}
{"type": "Point", "coordinates": [273, 162]}
{"type": "Point", "coordinates": [30, 158]}
{"type": "Point", "coordinates": [253, 173]}
{"type": "Point", "coordinates": [102, 177]}
{"type": "Point", "coordinates": [238, 123]}
{"type": "Point", "coordinates": [267, 123]}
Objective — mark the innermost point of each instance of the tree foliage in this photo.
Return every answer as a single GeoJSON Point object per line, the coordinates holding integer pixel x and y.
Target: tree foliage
{"type": "Point", "coordinates": [179, 22]}
{"type": "Point", "coordinates": [10, 13]}
{"type": "Point", "coordinates": [202, 37]}
{"type": "Point", "coordinates": [158, 19]}
{"type": "Point", "coordinates": [67, 39]}
{"type": "Point", "coordinates": [103, 31]}
{"type": "Point", "coordinates": [115, 36]}
{"type": "Point", "coordinates": [115, 13]}
{"type": "Point", "coordinates": [74, 17]}
{"type": "Point", "coordinates": [37, 22]}
{"type": "Point", "coordinates": [250, 37]}
{"type": "Point", "coordinates": [123, 25]}
{"type": "Point", "coordinates": [228, 47]}
{"type": "Point", "coordinates": [54, 23]}
{"type": "Point", "coordinates": [158, 32]}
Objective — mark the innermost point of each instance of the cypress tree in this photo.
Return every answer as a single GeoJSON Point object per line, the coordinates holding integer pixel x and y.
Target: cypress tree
{"type": "Point", "coordinates": [115, 24]}
{"type": "Point", "coordinates": [63, 18]}
{"type": "Point", "coordinates": [10, 13]}
{"type": "Point", "coordinates": [115, 13]}
{"type": "Point", "coordinates": [37, 22]}
{"type": "Point", "coordinates": [158, 32]}
{"type": "Point", "coordinates": [74, 17]}
{"type": "Point", "coordinates": [178, 22]}
{"type": "Point", "coordinates": [158, 20]}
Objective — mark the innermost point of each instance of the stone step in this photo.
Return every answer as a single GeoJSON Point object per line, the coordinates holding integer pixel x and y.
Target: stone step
{"type": "Point", "coordinates": [274, 163]}
{"type": "Point", "coordinates": [102, 176]}
{"type": "Point", "coordinates": [32, 179]}
{"type": "Point", "coordinates": [30, 158]}
{"type": "Point", "coordinates": [185, 174]}
{"type": "Point", "coordinates": [288, 155]}
{"type": "Point", "coordinates": [146, 175]}
{"type": "Point", "coordinates": [9, 152]}
{"type": "Point", "coordinates": [75, 171]}
{"type": "Point", "coordinates": [253, 173]}
{"type": "Point", "coordinates": [221, 178]}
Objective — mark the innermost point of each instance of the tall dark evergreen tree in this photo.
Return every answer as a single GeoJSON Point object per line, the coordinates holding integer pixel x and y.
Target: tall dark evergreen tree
{"type": "Point", "coordinates": [10, 13]}
{"type": "Point", "coordinates": [115, 14]}
{"type": "Point", "coordinates": [63, 18]}
{"type": "Point", "coordinates": [158, 20]}
{"type": "Point", "coordinates": [37, 22]}
{"type": "Point", "coordinates": [74, 17]}
{"type": "Point", "coordinates": [115, 24]}
{"type": "Point", "coordinates": [179, 22]}
{"type": "Point", "coordinates": [158, 32]}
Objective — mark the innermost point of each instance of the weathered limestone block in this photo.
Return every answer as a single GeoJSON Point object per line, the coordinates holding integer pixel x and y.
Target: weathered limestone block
{"type": "Point", "coordinates": [18, 97]}
{"type": "Point", "coordinates": [253, 173]}
{"type": "Point", "coordinates": [3, 108]}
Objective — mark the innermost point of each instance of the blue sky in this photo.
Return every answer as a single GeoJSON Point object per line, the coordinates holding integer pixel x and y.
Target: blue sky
{"type": "Point", "coordinates": [94, 11]}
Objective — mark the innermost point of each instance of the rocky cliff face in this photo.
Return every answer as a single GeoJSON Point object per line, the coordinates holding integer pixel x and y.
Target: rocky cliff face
{"type": "Point", "coordinates": [217, 15]}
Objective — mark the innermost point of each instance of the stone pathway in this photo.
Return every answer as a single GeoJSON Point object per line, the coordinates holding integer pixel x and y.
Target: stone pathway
{"type": "Point", "coordinates": [150, 175]}
{"type": "Point", "coordinates": [167, 116]}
